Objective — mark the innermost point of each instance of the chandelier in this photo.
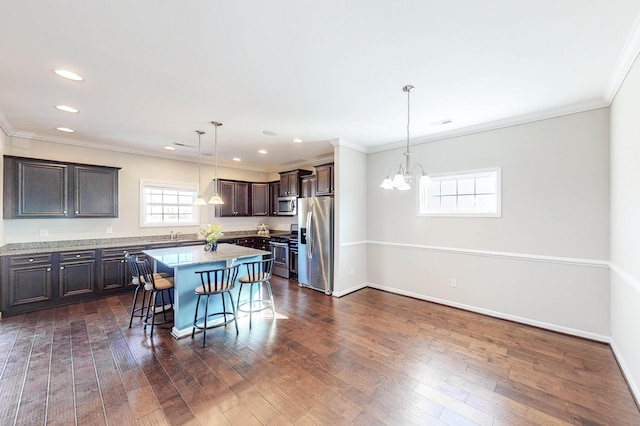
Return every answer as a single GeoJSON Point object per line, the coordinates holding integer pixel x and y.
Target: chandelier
{"type": "Point", "coordinates": [404, 171]}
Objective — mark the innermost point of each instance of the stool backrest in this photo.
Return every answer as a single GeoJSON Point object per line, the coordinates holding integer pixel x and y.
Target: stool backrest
{"type": "Point", "coordinates": [219, 280]}
{"type": "Point", "coordinates": [133, 268]}
{"type": "Point", "coordinates": [145, 271]}
{"type": "Point", "coordinates": [260, 270]}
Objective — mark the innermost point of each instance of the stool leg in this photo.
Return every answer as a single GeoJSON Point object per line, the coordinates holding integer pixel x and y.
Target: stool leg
{"type": "Point", "coordinates": [250, 304]}
{"type": "Point", "coordinates": [133, 306]}
{"type": "Point", "coordinates": [235, 313]}
{"type": "Point", "coordinates": [154, 295]}
{"type": "Point", "coordinates": [239, 294]}
{"type": "Point", "coordinates": [146, 318]}
{"type": "Point", "coordinates": [206, 314]}
{"type": "Point", "coordinates": [224, 309]}
{"type": "Point", "coordinates": [195, 318]}
{"type": "Point", "coordinates": [273, 309]}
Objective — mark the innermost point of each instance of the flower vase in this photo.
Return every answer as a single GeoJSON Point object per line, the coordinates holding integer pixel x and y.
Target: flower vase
{"type": "Point", "coordinates": [211, 246]}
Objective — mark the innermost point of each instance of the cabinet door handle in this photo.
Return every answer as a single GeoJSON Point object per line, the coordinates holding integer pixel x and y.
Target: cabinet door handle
{"type": "Point", "coordinates": [77, 255]}
{"type": "Point", "coordinates": [48, 269]}
{"type": "Point", "coordinates": [62, 267]}
{"type": "Point", "coordinates": [64, 211]}
{"type": "Point", "coordinates": [122, 261]}
{"type": "Point", "coordinates": [30, 260]}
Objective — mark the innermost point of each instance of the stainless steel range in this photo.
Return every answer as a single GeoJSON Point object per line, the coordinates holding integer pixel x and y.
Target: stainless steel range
{"type": "Point", "coordinates": [285, 251]}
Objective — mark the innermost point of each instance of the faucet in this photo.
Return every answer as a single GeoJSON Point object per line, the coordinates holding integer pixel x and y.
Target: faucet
{"type": "Point", "coordinates": [175, 236]}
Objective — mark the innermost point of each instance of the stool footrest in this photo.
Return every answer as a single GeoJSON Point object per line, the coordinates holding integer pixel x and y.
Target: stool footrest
{"type": "Point", "coordinates": [199, 323]}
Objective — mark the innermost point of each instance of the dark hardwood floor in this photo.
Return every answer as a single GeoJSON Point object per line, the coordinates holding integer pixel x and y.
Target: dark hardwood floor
{"type": "Point", "coordinates": [367, 358]}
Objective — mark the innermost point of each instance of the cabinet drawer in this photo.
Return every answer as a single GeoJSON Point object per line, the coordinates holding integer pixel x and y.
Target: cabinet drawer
{"type": "Point", "coordinates": [119, 252]}
{"type": "Point", "coordinates": [71, 256]}
{"type": "Point", "coordinates": [31, 259]}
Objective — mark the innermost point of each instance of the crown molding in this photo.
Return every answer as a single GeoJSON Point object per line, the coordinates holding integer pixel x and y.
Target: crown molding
{"type": "Point", "coordinates": [626, 59]}
{"type": "Point", "coordinates": [495, 125]}
{"type": "Point", "coordinates": [5, 125]}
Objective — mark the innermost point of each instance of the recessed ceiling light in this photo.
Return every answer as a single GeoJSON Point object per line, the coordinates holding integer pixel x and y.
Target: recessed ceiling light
{"type": "Point", "coordinates": [262, 151]}
{"type": "Point", "coordinates": [69, 74]}
{"type": "Point", "coordinates": [269, 133]}
{"type": "Point", "coordinates": [442, 122]}
{"type": "Point", "coordinates": [169, 148]}
{"type": "Point", "coordinates": [297, 140]}
{"type": "Point", "coordinates": [66, 108]}
{"type": "Point", "coordinates": [65, 129]}
{"type": "Point", "coordinates": [237, 159]}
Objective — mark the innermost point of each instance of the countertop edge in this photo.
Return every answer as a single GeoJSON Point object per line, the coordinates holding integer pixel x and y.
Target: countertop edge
{"type": "Point", "coordinates": [105, 243]}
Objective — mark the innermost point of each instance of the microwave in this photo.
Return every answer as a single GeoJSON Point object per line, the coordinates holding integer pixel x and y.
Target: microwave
{"type": "Point", "coordinates": [287, 206]}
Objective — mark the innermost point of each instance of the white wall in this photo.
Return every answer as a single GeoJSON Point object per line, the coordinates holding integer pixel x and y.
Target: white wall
{"type": "Point", "coordinates": [350, 257]}
{"type": "Point", "coordinates": [625, 227]}
{"type": "Point", "coordinates": [3, 137]}
{"type": "Point", "coordinates": [133, 168]}
{"type": "Point", "coordinates": [544, 262]}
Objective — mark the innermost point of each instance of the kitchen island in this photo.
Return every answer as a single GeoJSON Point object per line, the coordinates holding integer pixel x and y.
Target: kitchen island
{"type": "Point", "coordinates": [184, 262]}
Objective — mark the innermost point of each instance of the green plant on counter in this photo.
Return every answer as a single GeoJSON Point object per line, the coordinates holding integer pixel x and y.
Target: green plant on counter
{"type": "Point", "coordinates": [212, 233]}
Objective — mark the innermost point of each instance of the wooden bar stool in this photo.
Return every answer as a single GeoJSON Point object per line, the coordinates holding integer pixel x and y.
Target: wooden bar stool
{"type": "Point", "coordinates": [156, 284]}
{"type": "Point", "coordinates": [215, 281]}
{"type": "Point", "coordinates": [258, 274]}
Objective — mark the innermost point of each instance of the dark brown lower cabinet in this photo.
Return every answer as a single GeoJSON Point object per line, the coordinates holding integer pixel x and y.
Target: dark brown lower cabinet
{"type": "Point", "coordinates": [31, 282]}
{"type": "Point", "coordinates": [114, 272]}
{"type": "Point", "coordinates": [77, 273]}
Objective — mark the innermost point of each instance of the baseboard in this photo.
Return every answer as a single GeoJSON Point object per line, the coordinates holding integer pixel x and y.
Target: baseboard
{"type": "Point", "coordinates": [635, 390]}
{"type": "Point", "coordinates": [496, 314]}
{"type": "Point", "coordinates": [350, 290]}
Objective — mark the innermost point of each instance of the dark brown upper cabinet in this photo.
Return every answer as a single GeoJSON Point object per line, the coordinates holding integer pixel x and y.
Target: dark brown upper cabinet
{"type": "Point", "coordinates": [236, 197]}
{"type": "Point", "coordinates": [35, 188]}
{"type": "Point", "coordinates": [260, 199]}
{"type": "Point", "coordinates": [324, 179]}
{"type": "Point", "coordinates": [290, 182]}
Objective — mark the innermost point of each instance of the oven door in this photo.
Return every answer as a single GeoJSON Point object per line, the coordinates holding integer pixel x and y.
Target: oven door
{"type": "Point", "coordinates": [280, 252]}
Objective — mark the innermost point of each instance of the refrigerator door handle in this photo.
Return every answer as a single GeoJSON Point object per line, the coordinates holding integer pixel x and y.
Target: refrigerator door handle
{"type": "Point", "coordinates": [309, 236]}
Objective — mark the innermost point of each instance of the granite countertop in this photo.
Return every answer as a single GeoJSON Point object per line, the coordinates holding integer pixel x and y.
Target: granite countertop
{"type": "Point", "coordinates": [101, 243]}
{"type": "Point", "coordinates": [174, 257]}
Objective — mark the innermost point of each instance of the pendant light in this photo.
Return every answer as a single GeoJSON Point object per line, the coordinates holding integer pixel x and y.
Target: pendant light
{"type": "Point", "coordinates": [215, 198]}
{"type": "Point", "coordinates": [404, 174]}
{"type": "Point", "coordinates": [199, 201]}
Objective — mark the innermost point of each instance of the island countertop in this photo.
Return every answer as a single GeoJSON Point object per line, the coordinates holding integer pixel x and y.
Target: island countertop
{"type": "Point", "coordinates": [185, 261]}
{"type": "Point", "coordinates": [176, 257]}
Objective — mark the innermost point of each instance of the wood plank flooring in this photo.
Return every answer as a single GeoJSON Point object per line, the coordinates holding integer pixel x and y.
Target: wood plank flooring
{"type": "Point", "coordinates": [367, 358]}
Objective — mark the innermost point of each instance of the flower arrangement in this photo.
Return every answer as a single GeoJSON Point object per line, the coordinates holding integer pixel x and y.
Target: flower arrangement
{"type": "Point", "coordinates": [211, 233]}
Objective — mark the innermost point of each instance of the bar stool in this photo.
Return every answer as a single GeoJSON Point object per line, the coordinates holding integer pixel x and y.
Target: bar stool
{"type": "Point", "coordinates": [156, 284]}
{"type": "Point", "coordinates": [258, 274]}
{"type": "Point", "coordinates": [135, 280]}
{"type": "Point", "coordinates": [215, 281]}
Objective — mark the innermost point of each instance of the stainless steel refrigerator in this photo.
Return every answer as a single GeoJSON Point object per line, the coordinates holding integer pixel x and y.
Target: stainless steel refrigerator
{"type": "Point", "coordinates": [315, 243]}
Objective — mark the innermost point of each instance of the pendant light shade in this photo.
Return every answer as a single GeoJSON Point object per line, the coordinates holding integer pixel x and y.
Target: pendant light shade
{"type": "Point", "coordinates": [199, 201]}
{"type": "Point", "coordinates": [215, 198]}
{"type": "Point", "coordinates": [404, 171]}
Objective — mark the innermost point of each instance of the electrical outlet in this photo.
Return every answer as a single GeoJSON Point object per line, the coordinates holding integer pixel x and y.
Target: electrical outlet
{"type": "Point", "coordinates": [44, 232]}
{"type": "Point", "coordinates": [454, 283]}
{"type": "Point", "coordinates": [109, 230]}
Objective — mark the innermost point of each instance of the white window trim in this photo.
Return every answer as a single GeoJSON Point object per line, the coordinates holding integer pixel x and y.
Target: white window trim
{"type": "Point", "coordinates": [165, 184]}
{"type": "Point", "coordinates": [498, 212]}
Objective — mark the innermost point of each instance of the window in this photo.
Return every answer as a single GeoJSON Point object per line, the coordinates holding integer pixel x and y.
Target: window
{"type": "Point", "coordinates": [471, 193]}
{"type": "Point", "coordinates": [167, 204]}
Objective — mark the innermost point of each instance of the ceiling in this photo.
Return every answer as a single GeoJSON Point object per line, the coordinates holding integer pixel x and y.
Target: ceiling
{"type": "Point", "coordinates": [157, 70]}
